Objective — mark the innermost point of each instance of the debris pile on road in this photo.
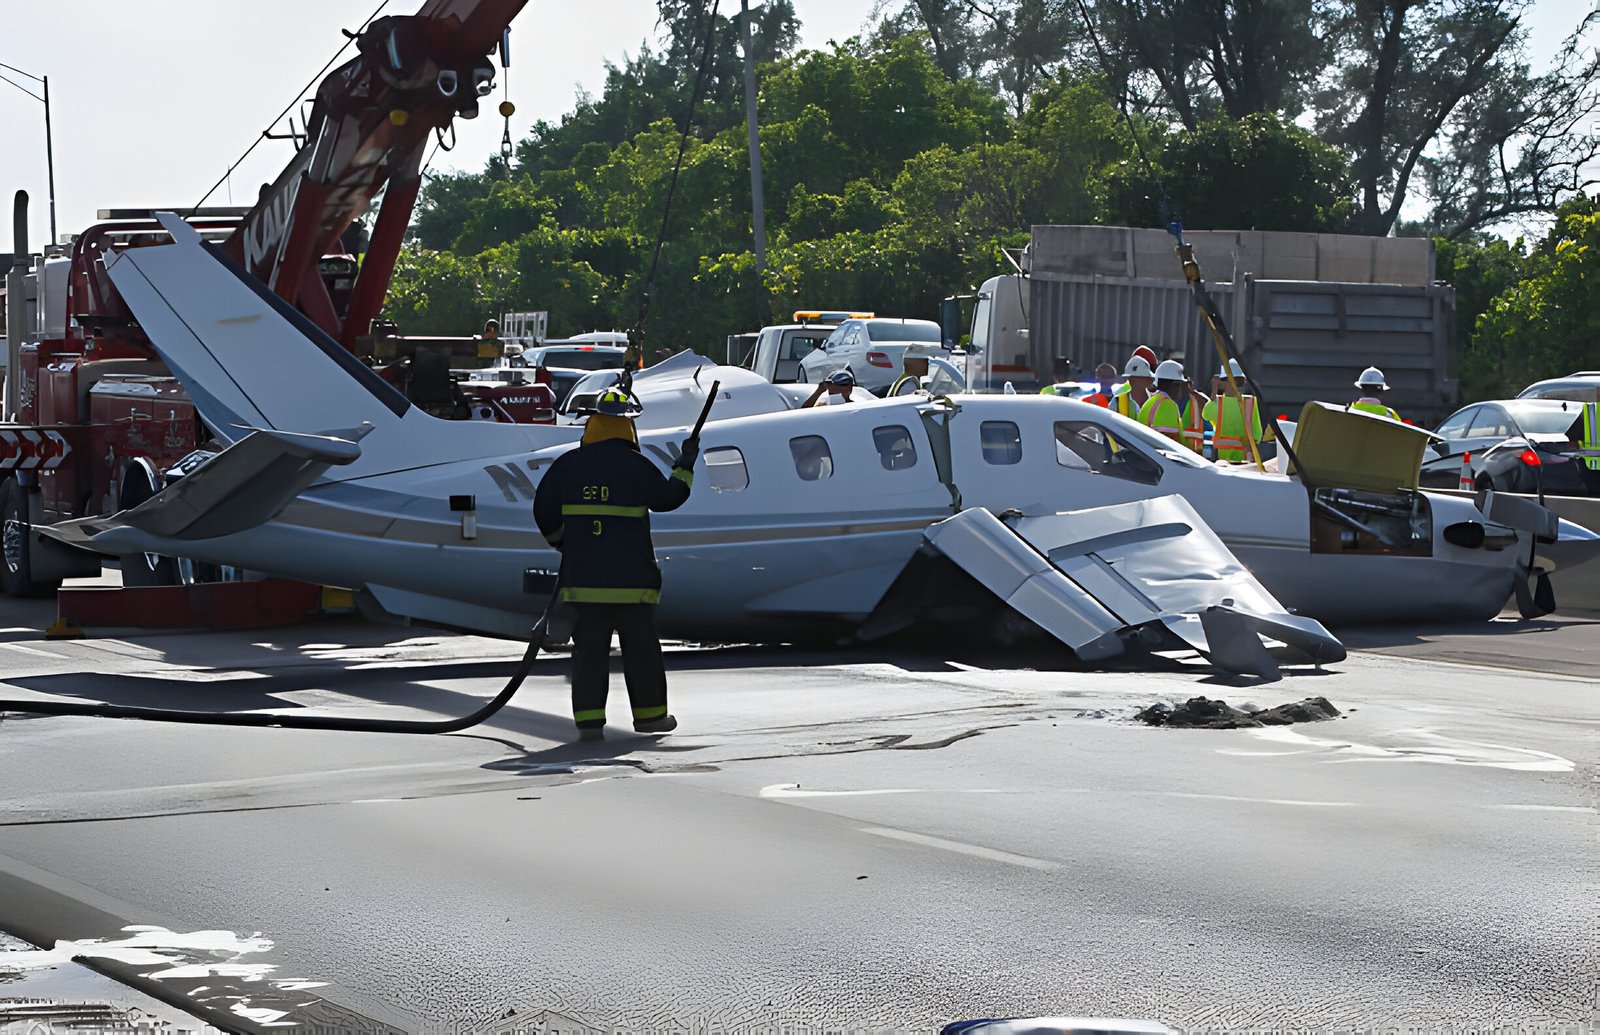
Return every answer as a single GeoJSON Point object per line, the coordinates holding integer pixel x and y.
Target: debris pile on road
{"type": "Point", "coordinates": [1202, 713]}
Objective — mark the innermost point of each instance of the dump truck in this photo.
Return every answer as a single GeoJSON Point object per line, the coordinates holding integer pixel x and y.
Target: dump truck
{"type": "Point", "coordinates": [1307, 312]}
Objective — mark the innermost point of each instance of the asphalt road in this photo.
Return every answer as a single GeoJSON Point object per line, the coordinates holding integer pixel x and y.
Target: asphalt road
{"type": "Point", "coordinates": [847, 840]}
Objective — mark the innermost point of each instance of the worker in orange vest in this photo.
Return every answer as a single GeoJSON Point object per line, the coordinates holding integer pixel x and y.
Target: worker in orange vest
{"type": "Point", "coordinates": [1232, 416]}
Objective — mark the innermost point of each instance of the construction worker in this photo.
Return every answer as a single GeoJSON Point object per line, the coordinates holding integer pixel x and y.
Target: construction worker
{"type": "Point", "coordinates": [1373, 386]}
{"type": "Point", "coordinates": [834, 390]}
{"type": "Point", "coordinates": [914, 369]}
{"type": "Point", "coordinates": [1145, 353]}
{"type": "Point", "coordinates": [1590, 442]}
{"type": "Point", "coordinates": [593, 505]}
{"type": "Point", "coordinates": [1106, 375]}
{"type": "Point", "coordinates": [1131, 397]}
{"type": "Point", "coordinates": [1173, 409]}
{"type": "Point", "coordinates": [1062, 383]}
{"type": "Point", "coordinates": [1232, 414]}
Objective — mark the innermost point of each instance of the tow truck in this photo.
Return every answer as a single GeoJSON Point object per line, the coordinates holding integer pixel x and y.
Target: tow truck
{"type": "Point", "coordinates": [94, 422]}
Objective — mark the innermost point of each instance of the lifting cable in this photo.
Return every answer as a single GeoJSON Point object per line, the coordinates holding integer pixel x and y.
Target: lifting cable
{"type": "Point", "coordinates": [705, 48]}
{"type": "Point", "coordinates": [350, 37]}
{"type": "Point", "coordinates": [1227, 351]}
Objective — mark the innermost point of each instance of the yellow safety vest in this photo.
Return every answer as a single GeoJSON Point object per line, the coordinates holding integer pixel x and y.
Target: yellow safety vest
{"type": "Point", "coordinates": [1591, 434]}
{"type": "Point", "coordinates": [1123, 403]}
{"type": "Point", "coordinates": [1366, 405]}
{"type": "Point", "coordinates": [1228, 438]}
{"type": "Point", "coordinates": [1161, 414]}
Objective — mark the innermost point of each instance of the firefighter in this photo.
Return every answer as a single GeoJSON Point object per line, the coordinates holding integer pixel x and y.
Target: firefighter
{"type": "Point", "coordinates": [1173, 409]}
{"type": "Point", "coordinates": [1133, 394]}
{"type": "Point", "coordinates": [1373, 386]}
{"type": "Point", "coordinates": [594, 506]}
{"type": "Point", "coordinates": [1232, 416]}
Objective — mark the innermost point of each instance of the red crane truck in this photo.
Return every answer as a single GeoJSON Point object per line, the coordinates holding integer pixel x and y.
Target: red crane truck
{"type": "Point", "coordinates": [93, 420]}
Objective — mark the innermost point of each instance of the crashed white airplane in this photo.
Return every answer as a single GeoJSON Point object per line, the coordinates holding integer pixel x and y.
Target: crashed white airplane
{"type": "Point", "coordinates": [860, 518]}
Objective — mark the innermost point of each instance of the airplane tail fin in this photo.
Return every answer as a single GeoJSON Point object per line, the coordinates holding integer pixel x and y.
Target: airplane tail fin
{"type": "Point", "coordinates": [250, 360]}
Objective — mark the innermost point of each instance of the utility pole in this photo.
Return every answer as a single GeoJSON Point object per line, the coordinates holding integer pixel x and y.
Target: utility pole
{"type": "Point", "coordinates": [49, 143]}
{"type": "Point", "coordinates": [758, 217]}
{"type": "Point", "coordinates": [50, 159]}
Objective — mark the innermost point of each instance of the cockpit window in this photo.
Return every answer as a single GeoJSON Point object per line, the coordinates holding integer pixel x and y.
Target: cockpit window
{"type": "Point", "coordinates": [896, 451]}
{"type": "Point", "coordinates": [813, 460]}
{"type": "Point", "coordinates": [1002, 442]}
{"type": "Point", "coordinates": [1092, 447]}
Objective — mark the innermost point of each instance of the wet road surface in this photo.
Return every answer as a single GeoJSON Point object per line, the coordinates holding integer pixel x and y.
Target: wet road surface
{"type": "Point", "coordinates": [852, 839]}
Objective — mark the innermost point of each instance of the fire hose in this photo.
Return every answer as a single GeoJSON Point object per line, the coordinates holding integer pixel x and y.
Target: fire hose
{"type": "Point", "coordinates": [346, 724]}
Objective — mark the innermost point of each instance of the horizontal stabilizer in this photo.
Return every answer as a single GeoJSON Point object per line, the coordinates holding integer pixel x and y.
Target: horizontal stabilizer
{"type": "Point", "coordinates": [245, 485]}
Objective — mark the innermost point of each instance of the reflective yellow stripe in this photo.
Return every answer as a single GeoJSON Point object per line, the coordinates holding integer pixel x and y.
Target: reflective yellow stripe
{"type": "Point", "coordinates": [646, 714]}
{"type": "Point", "coordinates": [611, 596]}
{"type": "Point", "coordinates": [1591, 434]}
{"type": "Point", "coordinates": [591, 715]}
{"type": "Point", "coordinates": [683, 475]}
{"type": "Point", "coordinates": [602, 510]}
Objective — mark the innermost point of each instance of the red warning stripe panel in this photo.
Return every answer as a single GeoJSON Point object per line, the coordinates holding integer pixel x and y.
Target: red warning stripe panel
{"type": "Point", "coordinates": [25, 449]}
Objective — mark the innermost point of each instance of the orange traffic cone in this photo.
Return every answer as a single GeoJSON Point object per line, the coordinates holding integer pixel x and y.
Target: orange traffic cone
{"type": "Point", "coordinates": [1465, 484]}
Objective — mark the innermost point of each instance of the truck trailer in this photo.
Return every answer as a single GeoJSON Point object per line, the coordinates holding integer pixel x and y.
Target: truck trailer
{"type": "Point", "coordinates": [1307, 311]}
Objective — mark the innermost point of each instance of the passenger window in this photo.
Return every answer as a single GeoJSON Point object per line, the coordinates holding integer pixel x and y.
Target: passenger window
{"type": "Point", "coordinates": [896, 451]}
{"type": "Point", "coordinates": [813, 461]}
{"type": "Point", "coordinates": [1086, 446]}
{"type": "Point", "coordinates": [1491, 422]}
{"type": "Point", "coordinates": [1002, 442]}
{"type": "Point", "coordinates": [1456, 427]}
{"type": "Point", "coordinates": [725, 467]}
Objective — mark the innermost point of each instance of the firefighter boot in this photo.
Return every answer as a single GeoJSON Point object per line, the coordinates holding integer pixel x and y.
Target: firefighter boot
{"type": "Point", "coordinates": [665, 724]}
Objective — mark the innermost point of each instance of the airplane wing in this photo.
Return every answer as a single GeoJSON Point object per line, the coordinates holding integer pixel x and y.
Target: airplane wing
{"type": "Point", "coordinates": [1096, 579]}
{"type": "Point", "coordinates": [245, 485]}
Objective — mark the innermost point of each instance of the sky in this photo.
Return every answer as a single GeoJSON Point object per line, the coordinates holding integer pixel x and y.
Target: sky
{"type": "Point", "coordinates": [152, 100]}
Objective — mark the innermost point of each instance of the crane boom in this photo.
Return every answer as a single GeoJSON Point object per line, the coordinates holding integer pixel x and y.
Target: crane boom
{"type": "Point", "coordinates": [369, 124]}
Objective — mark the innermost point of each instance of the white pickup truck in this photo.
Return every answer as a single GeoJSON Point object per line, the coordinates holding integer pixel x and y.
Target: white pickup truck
{"type": "Point", "coordinates": [777, 350]}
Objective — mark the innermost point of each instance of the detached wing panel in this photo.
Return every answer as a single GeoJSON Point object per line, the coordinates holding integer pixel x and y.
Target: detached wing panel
{"type": "Point", "coordinates": [1092, 577]}
{"type": "Point", "coordinates": [982, 546]}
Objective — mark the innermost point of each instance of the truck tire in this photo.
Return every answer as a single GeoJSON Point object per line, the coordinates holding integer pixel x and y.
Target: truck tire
{"type": "Point", "coordinates": [143, 569]}
{"type": "Point", "coordinates": [16, 574]}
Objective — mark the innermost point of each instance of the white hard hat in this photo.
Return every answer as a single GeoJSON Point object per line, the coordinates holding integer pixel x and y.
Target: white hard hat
{"type": "Point", "coordinates": [1138, 366]}
{"type": "Point", "coordinates": [1169, 370]}
{"type": "Point", "coordinates": [1371, 377]}
{"type": "Point", "coordinates": [1233, 365]}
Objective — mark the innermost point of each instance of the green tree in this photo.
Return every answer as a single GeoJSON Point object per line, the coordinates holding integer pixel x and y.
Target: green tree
{"type": "Point", "coordinates": [1257, 173]}
{"type": "Point", "coordinates": [1441, 89]}
{"type": "Point", "coordinates": [1480, 268]}
{"type": "Point", "coordinates": [1548, 324]}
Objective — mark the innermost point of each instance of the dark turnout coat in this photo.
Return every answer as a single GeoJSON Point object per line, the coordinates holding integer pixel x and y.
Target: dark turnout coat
{"type": "Point", "coordinates": [593, 505]}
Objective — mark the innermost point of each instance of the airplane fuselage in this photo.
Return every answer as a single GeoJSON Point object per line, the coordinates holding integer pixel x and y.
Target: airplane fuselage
{"type": "Point", "coordinates": [808, 516]}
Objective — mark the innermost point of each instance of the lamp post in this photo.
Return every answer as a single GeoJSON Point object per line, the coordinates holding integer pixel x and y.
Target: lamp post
{"type": "Point", "coordinates": [49, 144]}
